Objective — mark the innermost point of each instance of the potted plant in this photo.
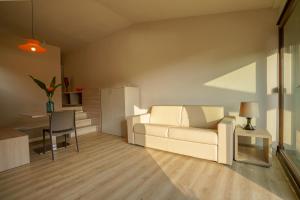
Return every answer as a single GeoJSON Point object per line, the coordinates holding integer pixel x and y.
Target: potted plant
{"type": "Point", "coordinates": [48, 90]}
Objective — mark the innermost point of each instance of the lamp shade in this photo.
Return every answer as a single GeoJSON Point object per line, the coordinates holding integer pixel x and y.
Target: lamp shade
{"type": "Point", "coordinates": [32, 45]}
{"type": "Point", "coordinates": [249, 109]}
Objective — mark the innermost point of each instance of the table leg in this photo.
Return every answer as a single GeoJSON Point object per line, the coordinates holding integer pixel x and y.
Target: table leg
{"type": "Point", "coordinates": [54, 144]}
{"type": "Point", "coordinates": [68, 139]}
{"type": "Point", "coordinates": [267, 145]}
{"type": "Point", "coordinates": [236, 147]}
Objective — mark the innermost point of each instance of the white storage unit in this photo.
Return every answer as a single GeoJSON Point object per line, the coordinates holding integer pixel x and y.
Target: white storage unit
{"type": "Point", "coordinates": [116, 105]}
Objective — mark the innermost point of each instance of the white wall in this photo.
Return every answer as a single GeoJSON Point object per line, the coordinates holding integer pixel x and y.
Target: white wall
{"type": "Point", "coordinates": [18, 93]}
{"type": "Point", "coordinates": [215, 59]}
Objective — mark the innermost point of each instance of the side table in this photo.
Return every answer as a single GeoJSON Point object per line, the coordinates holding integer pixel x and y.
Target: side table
{"type": "Point", "coordinates": [253, 154]}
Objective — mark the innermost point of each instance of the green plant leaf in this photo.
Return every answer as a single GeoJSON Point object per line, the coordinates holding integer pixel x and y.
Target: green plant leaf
{"type": "Point", "coordinates": [39, 83]}
{"type": "Point", "coordinates": [44, 87]}
{"type": "Point", "coordinates": [52, 84]}
{"type": "Point", "coordinates": [58, 85]}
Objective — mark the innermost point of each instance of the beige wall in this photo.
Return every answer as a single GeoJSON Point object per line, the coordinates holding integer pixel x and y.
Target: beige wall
{"type": "Point", "coordinates": [18, 93]}
{"type": "Point", "coordinates": [215, 59]}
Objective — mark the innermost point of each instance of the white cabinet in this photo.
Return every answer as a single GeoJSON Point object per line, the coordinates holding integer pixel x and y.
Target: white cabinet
{"type": "Point", "coordinates": [116, 105]}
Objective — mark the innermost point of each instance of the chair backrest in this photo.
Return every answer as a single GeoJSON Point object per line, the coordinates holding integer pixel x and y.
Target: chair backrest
{"type": "Point", "coordinates": [63, 120]}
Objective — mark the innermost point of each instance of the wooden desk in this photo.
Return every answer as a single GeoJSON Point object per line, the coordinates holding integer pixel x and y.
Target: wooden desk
{"type": "Point", "coordinates": [253, 154]}
{"type": "Point", "coordinates": [33, 120]}
{"type": "Point", "coordinates": [38, 120]}
{"type": "Point", "coordinates": [34, 115]}
{"type": "Point", "coordinates": [14, 149]}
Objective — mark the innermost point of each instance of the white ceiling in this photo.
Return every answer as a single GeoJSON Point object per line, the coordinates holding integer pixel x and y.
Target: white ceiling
{"type": "Point", "coordinates": [72, 23]}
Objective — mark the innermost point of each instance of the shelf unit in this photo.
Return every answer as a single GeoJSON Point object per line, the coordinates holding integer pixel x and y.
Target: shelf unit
{"type": "Point", "coordinates": [72, 99]}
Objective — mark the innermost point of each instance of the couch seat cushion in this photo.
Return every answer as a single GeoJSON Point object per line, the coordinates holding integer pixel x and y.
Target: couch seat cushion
{"type": "Point", "coordinates": [207, 136]}
{"type": "Point", "coordinates": [151, 129]}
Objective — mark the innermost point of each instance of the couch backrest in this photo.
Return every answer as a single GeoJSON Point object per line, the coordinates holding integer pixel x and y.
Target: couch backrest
{"type": "Point", "coordinates": [201, 116]}
{"type": "Point", "coordinates": [187, 116]}
{"type": "Point", "coordinates": [168, 115]}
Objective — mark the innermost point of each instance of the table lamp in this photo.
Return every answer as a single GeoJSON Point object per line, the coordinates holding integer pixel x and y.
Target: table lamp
{"type": "Point", "coordinates": [249, 110]}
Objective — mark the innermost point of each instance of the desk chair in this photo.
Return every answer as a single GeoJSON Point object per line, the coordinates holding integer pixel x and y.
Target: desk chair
{"type": "Point", "coordinates": [61, 123]}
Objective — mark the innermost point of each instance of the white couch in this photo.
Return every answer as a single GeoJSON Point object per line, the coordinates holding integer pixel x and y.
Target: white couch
{"type": "Point", "coordinates": [198, 131]}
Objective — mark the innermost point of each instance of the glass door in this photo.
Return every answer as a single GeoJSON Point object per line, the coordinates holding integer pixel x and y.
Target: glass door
{"type": "Point", "coordinates": [290, 76]}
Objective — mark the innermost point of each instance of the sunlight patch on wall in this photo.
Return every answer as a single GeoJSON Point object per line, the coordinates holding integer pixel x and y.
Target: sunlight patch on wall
{"type": "Point", "coordinates": [272, 73]}
{"type": "Point", "coordinates": [287, 73]}
{"type": "Point", "coordinates": [287, 127]}
{"type": "Point", "coordinates": [272, 123]}
{"type": "Point", "coordinates": [242, 79]}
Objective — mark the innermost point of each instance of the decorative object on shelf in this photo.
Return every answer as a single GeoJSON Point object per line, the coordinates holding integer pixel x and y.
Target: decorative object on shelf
{"type": "Point", "coordinates": [67, 83]}
{"type": "Point", "coordinates": [32, 45]}
{"type": "Point", "coordinates": [249, 110]}
{"type": "Point", "coordinates": [49, 91]}
{"type": "Point", "coordinates": [78, 89]}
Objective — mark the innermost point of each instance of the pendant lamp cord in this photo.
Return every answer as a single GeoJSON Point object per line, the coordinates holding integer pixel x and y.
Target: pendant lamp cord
{"type": "Point", "coordinates": [32, 28]}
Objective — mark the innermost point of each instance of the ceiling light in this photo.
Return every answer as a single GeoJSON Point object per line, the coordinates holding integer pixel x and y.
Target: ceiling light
{"type": "Point", "coordinates": [32, 45]}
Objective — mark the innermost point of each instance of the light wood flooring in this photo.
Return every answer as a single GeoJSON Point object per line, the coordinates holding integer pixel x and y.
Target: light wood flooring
{"type": "Point", "coordinates": [108, 168]}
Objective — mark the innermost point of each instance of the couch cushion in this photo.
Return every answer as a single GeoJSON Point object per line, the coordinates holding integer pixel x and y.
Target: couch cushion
{"type": "Point", "coordinates": [202, 116]}
{"type": "Point", "coordinates": [166, 115]}
{"type": "Point", "coordinates": [151, 129]}
{"type": "Point", "coordinates": [207, 136]}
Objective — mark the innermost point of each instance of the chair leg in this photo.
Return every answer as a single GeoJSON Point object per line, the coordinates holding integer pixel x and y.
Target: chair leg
{"type": "Point", "coordinates": [65, 140]}
{"type": "Point", "coordinates": [76, 140]}
{"type": "Point", "coordinates": [44, 142]}
{"type": "Point", "coordinates": [51, 142]}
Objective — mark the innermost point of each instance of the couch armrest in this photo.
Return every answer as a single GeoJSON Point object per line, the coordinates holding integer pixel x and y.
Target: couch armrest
{"type": "Point", "coordinates": [225, 140]}
{"type": "Point", "coordinates": [131, 121]}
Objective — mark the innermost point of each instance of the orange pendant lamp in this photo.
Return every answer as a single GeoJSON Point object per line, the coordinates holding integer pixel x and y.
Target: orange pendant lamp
{"type": "Point", "coordinates": [32, 45]}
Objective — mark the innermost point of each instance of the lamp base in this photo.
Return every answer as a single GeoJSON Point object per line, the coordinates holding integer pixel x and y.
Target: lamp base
{"type": "Point", "coordinates": [249, 125]}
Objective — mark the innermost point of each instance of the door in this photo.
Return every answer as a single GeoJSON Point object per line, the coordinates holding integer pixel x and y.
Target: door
{"type": "Point", "coordinates": [290, 77]}
{"type": "Point", "coordinates": [112, 109]}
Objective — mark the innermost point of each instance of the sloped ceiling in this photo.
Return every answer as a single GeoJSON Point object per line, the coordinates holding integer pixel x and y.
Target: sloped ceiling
{"type": "Point", "coordinates": [73, 23]}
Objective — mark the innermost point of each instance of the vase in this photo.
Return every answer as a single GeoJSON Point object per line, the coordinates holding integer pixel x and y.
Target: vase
{"type": "Point", "coordinates": [50, 106]}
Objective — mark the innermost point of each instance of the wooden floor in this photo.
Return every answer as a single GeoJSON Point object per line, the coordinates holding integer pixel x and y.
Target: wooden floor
{"type": "Point", "coordinates": [109, 168]}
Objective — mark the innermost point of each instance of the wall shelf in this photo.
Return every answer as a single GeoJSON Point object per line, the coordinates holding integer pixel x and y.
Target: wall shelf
{"type": "Point", "coordinates": [72, 99]}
